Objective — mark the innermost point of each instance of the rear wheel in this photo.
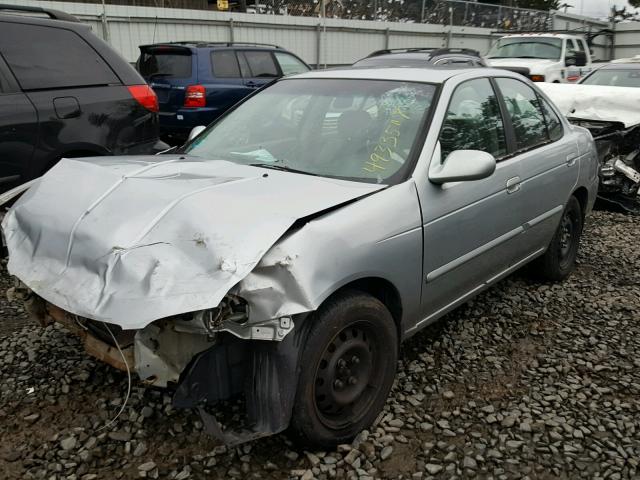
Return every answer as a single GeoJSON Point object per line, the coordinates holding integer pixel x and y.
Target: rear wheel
{"type": "Point", "coordinates": [559, 260]}
{"type": "Point", "coordinates": [348, 366]}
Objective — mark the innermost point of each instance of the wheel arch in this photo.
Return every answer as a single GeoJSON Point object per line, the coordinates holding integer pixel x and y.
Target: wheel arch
{"type": "Point", "coordinates": [582, 195]}
{"type": "Point", "coordinates": [381, 289]}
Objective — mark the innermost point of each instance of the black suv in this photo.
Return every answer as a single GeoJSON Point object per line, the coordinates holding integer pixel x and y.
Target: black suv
{"type": "Point", "coordinates": [422, 57]}
{"type": "Point", "coordinates": [65, 93]}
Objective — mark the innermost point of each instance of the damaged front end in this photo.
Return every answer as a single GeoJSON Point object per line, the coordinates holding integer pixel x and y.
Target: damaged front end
{"type": "Point", "coordinates": [619, 154]}
{"type": "Point", "coordinates": [207, 357]}
{"type": "Point", "coordinates": [612, 115]}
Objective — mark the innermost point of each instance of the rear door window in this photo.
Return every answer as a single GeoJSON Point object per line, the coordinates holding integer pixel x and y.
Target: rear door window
{"type": "Point", "coordinates": [526, 114]}
{"type": "Point", "coordinates": [225, 64]}
{"type": "Point", "coordinates": [46, 57]}
{"type": "Point", "coordinates": [261, 64]}
{"type": "Point", "coordinates": [289, 64]}
{"type": "Point", "coordinates": [165, 62]}
{"type": "Point", "coordinates": [554, 125]}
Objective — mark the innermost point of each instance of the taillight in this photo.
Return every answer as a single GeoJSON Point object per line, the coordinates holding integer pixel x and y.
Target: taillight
{"type": "Point", "coordinates": [195, 96]}
{"type": "Point", "coordinates": [537, 78]}
{"type": "Point", "coordinates": [145, 96]}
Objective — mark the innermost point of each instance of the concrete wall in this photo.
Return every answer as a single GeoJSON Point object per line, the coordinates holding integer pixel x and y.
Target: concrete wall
{"type": "Point", "coordinates": [318, 42]}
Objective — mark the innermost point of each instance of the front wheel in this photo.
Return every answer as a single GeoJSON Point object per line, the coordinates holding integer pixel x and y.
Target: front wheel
{"type": "Point", "coordinates": [559, 260]}
{"type": "Point", "coordinates": [348, 366]}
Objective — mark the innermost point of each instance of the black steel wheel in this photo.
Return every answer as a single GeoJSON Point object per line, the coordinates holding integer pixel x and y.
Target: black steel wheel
{"type": "Point", "coordinates": [348, 367]}
{"type": "Point", "coordinates": [559, 260]}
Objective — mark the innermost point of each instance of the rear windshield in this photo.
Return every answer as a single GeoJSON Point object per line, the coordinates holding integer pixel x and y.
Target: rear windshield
{"type": "Point", "coordinates": [166, 62]}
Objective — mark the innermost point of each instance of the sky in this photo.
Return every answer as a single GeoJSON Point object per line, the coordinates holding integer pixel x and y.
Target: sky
{"type": "Point", "coordinates": [594, 8]}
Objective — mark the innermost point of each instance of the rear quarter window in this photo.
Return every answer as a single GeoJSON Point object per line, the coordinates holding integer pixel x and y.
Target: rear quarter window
{"type": "Point", "coordinates": [261, 64]}
{"type": "Point", "coordinates": [47, 57]}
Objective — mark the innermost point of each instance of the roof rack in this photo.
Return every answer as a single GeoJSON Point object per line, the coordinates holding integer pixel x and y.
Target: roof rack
{"type": "Point", "coordinates": [401, 50]}
{"type": "Point", "coordinates": [50, 12]}
{"type": "Point", "coordinates": [455, 51]}
{"type": "Point", "coordinates": [435, 52]}
{"type": "Point", "coordinates": [206, 43]}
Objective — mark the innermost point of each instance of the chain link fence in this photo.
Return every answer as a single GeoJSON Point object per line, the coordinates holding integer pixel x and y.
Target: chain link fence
{"type": "Point", "coordinates": [440, 12]}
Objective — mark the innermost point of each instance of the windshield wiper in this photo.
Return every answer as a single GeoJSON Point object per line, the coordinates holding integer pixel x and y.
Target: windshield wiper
{"type": "Point", "coordinates": [159, 74]}
{"type": "Point", "coordinates": [283, 168]}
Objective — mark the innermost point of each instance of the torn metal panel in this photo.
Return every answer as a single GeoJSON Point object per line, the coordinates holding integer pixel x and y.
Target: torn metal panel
{"type": "Point", "coordinates": [365, 239]}
{"type": "Point", "coordinates": [137, 239]}
{"type": "Point", "coordinates": [162, 352]}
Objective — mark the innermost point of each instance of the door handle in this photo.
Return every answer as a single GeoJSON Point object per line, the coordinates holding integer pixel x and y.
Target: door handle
{"type": "Point", "coordinates": [513, 184]}
{"type": "Point", "coordinates": [571, 159]}
{"type": "Point", "coordinates": [252, 84]}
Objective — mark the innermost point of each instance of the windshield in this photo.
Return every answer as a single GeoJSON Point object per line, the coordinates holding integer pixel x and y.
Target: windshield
{"type": "Point", "coordinates": [361, 130]}
{"type": "Point", "coordinates": [614, 78]}
{"type": "Point", "coordinates": [519, 47]}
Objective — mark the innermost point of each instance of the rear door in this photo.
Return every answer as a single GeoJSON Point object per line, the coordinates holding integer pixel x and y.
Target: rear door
{"type": "Point", "coordinates": [258, 67]}
{"type": "Point", "coordinates": [18, 131]}
{"type": "Point", "coordinates": [227, 86]}
{"type": "Point", "coordinates": [548, 158]}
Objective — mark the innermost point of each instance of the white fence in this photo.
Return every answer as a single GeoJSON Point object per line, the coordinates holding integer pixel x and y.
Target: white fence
{"type": "Point", "coordinates": [627, 39]}
{"type": "Point", "coordinates": [318, 41]}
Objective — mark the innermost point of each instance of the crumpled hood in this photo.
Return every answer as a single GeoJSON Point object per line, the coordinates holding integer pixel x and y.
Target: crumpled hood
{"type": "Point", "coordinates": [596, 102]}
{"type": "Point", "coordinates": [129, 240]}
{"type": "Point", "coordinates": [536, 66]}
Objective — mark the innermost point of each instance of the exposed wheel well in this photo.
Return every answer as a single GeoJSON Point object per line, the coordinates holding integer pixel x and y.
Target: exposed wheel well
{"type": "Point", "coordinates": [384, 291]}
{"type": "Point", "coordinates": [583, 198]}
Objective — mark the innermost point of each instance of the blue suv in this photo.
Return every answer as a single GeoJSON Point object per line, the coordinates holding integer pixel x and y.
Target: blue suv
{"type": "Point", "coordinates": [198, 81]}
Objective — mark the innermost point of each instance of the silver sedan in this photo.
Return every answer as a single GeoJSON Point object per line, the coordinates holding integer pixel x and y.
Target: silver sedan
{"type": "Point", "coordinates": [284, 253]}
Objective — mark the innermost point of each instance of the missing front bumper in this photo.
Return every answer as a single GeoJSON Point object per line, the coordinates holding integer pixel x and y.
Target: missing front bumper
{"type": "Point", "coordinates": [264, 372]}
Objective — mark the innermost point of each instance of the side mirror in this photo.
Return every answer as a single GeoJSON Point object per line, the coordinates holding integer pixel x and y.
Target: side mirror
{"type": "Point", "coordinates": [463, 166]}
{"type": "Point", "coordinates": [195, 131]}
{"type": "Point", "coordinates": [576, 59]}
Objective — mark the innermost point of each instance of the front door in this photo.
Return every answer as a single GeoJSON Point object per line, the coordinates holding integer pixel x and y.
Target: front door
{"type": "Point", "coordinates": [471, 229]}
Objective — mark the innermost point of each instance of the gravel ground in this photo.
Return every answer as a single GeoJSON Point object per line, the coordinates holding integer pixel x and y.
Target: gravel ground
{"type": "Point", "coordinates": [527, 381]}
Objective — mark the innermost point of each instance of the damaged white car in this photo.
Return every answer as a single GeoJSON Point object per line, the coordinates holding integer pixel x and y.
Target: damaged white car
{"type": "Point", "coordinates": [612, 115]}
{"type": "Point", "coordinates": [284, 253]}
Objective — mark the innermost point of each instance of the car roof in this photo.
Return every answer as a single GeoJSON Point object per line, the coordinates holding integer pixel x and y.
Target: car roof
{"type": "Point", "coordinates": [406, 74]}
{"type": "Point", "coordinates": [204, 44]}
{"type": "Point", "coordinates": [25, 12]}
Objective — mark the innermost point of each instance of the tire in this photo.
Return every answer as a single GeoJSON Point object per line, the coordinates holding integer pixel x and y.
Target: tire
{"type": "Point", "coordinates": [559, 260]}
{"type": "Point", "coordinates": [348, 367]}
